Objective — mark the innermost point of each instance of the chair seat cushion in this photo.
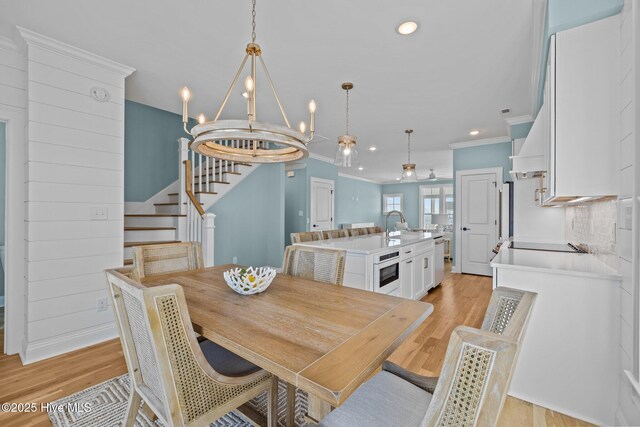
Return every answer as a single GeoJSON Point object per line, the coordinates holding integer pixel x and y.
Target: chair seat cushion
{"type": "Point", "coordinates": [226, 362]}
{"type": "Point", "coordinates": [384, 400]}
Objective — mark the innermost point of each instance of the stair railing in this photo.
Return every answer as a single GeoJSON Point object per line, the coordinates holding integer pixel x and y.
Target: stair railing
{"type": "Point", "coordinates": [199, 223]}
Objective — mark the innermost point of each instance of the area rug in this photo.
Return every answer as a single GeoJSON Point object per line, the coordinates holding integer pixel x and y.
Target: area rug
{"type": "Point", "coordinates": [108, 403]}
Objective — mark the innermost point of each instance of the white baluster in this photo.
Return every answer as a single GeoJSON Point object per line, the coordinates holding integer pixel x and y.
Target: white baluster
{"type": "Point", "coordinates": [193, 171]}
{"type": "Point", "coordinates": [208, 171]}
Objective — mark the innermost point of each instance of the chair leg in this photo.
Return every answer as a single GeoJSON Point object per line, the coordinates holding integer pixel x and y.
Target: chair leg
{"type": "Point", "coordinates": [272, 415]}
{"type": "Point", "coordinates": [291, 405]}
{"type": "Point", "coordinates": [132, 409]}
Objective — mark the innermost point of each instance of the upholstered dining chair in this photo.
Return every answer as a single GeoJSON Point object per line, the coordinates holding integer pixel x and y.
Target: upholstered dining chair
{"type": "Point", "coordinates": [471, 391]}
{"type": "Point", "coordinates": [151, 260]}
{"type": "Point", "coordinates": [185, 383]}
{"type": "Point", "coordinates": [358, 231]}
{"type": "Point", "coordinates": [507, 314]}
{"type": "Point", "coordinates": [307, 236]}
{"type": "Point", "coordinates": [334, 234]}
{"type": "Point", "coordinates": [320, 264]}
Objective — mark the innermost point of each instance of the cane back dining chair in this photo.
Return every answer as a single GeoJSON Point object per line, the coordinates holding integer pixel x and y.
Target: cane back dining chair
{"type": "Point", "coordinates": [507, 314]}
{"type": "Point", "coordinates": [320, 264]}
{"type": "Point", "coordinates": [334, 234]}
{"type": "Point", "coordinates": [307, 236]}
{"type": "Point", "coordinates": [151, 260]}
{"type": "Point", "coordinates": [358, 231]}
{"type": "Point", "coordinates": [471, 391]}
{"type": "Point", "coordinates": [182, 381]}
{"type": "Point", "coordinates": [375, 230]}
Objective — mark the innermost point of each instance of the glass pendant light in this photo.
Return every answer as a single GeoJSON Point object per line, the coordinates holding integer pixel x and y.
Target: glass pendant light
{"type": "Point", "coordinates": [409, 169]}
{"type": "Point", "coordinates": [347, 155]}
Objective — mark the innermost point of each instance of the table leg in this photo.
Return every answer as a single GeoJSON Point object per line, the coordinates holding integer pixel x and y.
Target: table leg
{"type": "Point", "coordinates": [318, 408]}
{"type": "Point", "coordinates": [291, 405]}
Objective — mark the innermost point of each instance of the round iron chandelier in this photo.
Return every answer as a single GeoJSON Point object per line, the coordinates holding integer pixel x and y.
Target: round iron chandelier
{"type": "Point", "coordinates": [249, 141]}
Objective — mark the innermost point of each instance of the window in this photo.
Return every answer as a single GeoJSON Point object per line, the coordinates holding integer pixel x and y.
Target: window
{"type": "Point", "coordinates": [435, 199]}
{"type": "Point", "coordinates": [391, 202]}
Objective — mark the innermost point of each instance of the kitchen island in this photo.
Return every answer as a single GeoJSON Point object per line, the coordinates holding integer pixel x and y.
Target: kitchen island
{"type": "Point", "coordinates": [403, 264]}
{"type": "Point", "coordinates": [566, 361]}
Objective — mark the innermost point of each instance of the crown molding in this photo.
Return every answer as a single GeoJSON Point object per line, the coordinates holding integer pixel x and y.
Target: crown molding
{"type": "Point", "coordinates": [518, 120]}
{"type": "Point", "coordinates": [359, 178]}
{"type": "Point", "coordinates": [321, 157]}
{"type": "Point", "coordinates": [478, 142]}
{"type": "Point", "coordinates": [423, 181]}
{"type": "Point", "coordinates": [34, 39]}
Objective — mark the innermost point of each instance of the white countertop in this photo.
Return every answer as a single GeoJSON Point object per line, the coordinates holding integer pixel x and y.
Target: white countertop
{"type": "Point", "coordinates": [558, 262]}
{"type": "Point", "coordinates": [372, 243]}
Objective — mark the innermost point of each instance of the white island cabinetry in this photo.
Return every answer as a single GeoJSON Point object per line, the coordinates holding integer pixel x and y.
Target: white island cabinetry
{"type": "Point", "coordinates": [401, 265]}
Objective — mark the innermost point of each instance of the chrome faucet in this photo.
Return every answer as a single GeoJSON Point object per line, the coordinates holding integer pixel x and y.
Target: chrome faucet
{"type": "Point", "coordinates": [387, 220]}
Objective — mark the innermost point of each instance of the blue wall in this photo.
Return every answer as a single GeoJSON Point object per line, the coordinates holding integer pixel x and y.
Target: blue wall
{"type": "Point", "coordinates": [250, 219]}
{"type": "Point", "coordinates": [150, 150]}
{"type": "Point", "coordinates": [565, 14]}
{"type": "Point", "coordinates": [3, 154]}
{"type": "Point", "coordinates": [355, 200]}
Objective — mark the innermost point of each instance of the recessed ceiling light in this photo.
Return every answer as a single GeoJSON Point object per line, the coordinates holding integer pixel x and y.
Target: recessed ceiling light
{"type": "Point", "coordinates": [407, 27]}
{"type": "Point", "coordinates": [360, 168]}
{"type": "Point", "coordinates": [373, 148]}
{"type": "Point", "coordinates": [474, 132]}
{"type": "Point", "coordinates": [397, 179]}
{"type": "Point", "coordinates": [245, 94]}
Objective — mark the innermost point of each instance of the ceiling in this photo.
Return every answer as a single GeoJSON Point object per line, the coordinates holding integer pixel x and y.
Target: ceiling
{"type": "Point", "coordinates": [468, 60]}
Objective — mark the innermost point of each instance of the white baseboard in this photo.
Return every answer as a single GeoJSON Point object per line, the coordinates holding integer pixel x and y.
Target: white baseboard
{"type": "Point", "coordinates": [34, 352]}
{"type": "Point", "coordinates": [2, 301]}
{"type": "Point", "coordinates": [455, 269]}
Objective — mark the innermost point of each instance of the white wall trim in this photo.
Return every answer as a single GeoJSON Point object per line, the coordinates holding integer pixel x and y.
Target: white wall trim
{"type": "Point", "coordinates": [45, 349]}
{"type": "Point", "coordinates": [15, 314]}
{"type": "Point", "coordinates": [457, 211]}
{"type": "Point", "coordinates": [518, 120]}
{"type": "Point", "coordinates": [424, 181]}
{"type": "Point", "coordinates": [478, 142]}
{"type": "Point", "coordinates": [321, 157]}
{"type": "Point", "coordinates": [33, 38]}
{"type": "Point", "coordinates": [359, 178]}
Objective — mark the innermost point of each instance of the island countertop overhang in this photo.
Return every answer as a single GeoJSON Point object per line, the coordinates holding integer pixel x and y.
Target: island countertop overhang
{"type": "Point", "coordinates": [372, 243]}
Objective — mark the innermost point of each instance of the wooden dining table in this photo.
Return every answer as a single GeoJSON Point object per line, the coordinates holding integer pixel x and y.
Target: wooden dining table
{"type": "Point", "coordinates": [322, 338]}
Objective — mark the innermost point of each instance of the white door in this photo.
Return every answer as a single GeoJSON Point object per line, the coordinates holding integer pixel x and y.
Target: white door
{"type": "Point", "coordinates": [321, 204]}
{"type": "Point", "coordinates": [478, 223]}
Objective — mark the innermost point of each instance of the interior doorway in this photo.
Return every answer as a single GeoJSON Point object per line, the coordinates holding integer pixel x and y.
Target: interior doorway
{"type": "Point", "coordinates": [477, 230]}
{"type": "Point", "coordinates": [3, 176]}
{"type": "Point", "coordinates": [322, 204]}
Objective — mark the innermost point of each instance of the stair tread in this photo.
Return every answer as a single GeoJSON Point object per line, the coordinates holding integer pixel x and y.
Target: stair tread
{"type": "Point", "coordinates": [212, 182]}
{"type": "Point", "coordinates": [148, 228]}
{"type": "Point", "coordinates": [205, 192]}
{"type": "Point", "coordinates": [157, 242]}
{"type": "Point", "coordinates": [170, 204]}
{"type": "Point", "coordinates": [128, 261]}
{"type": "Point", "coordinates": [172, 194]}
{"type": "Point", "coordinates": [153, 215]}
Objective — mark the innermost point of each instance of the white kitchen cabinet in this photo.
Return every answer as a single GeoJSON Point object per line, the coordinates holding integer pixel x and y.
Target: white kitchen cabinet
{"type": "Point", "coordinates": [582, 112]}
{"type": "Point", "coordinates": [407, 277]}
{"type": "Point", "coordinates": [423, 273]}
{"type": "Point", "coordinates": [566, 362]}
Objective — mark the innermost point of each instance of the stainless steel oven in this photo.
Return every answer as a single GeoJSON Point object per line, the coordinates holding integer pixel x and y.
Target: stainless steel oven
{"type": "Point", "coordinates": [386, 273]}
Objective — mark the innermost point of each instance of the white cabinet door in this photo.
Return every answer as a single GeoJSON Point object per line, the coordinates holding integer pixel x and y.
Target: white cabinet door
{"type": "Point", "coordinates": [423, 273]}
{"type": "Point", "coordinates": [407, 277]}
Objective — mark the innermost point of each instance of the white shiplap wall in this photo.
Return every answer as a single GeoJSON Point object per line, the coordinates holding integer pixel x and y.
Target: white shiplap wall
{"type": "Point", "coordinates": [13, 102]}
{"type": "Point", "coordinates": [75, 163]}
{"type": "Point", "coordinates": [629, 409]}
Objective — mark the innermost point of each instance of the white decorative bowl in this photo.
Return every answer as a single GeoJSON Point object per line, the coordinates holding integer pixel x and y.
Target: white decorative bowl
{"type": "Point", "coordinates": [250, 280]}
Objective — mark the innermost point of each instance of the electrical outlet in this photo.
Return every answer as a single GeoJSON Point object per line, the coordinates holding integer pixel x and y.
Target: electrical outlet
{"type": "Point", "coordinates": [235, 259]}
{"type": "Point", "coordinates": [99, 214]}
{"type": "Point", "coordinates": [103, 304]}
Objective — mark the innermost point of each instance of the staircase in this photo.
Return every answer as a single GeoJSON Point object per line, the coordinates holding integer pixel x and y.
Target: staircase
{"type": "Point", "coordinates": [169, 216]}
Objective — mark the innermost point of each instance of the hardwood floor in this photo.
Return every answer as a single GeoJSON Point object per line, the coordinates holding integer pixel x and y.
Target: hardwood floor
{"type": "Point", "coordinates": [461, 300]}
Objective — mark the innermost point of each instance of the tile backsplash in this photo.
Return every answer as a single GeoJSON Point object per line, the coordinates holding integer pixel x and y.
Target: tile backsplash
{"type": "Point", "coordinates": [594, 226]}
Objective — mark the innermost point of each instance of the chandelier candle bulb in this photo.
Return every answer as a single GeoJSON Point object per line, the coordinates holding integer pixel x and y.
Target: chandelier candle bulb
{"type": "Point", "coordinates": [201, 118]}
{"type": "Point", "coordinates": [186, 95]}
{"type": "Point", "coordinates": [303, 128]}
{"type": "Point", "coordinates": [312, 119]}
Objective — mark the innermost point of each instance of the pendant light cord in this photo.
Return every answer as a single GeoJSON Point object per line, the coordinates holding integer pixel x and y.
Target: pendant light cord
{"type": "Point", "coordinates": [253, 22]}
{"type": "Point", "coordinates": [347, 111]}
{"type": "Point", "coordinates": [409, 148]}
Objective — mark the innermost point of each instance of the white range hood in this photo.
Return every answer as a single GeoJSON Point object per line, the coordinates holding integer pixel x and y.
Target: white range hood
{"type": "Point", "coordinates": [530, 162]}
